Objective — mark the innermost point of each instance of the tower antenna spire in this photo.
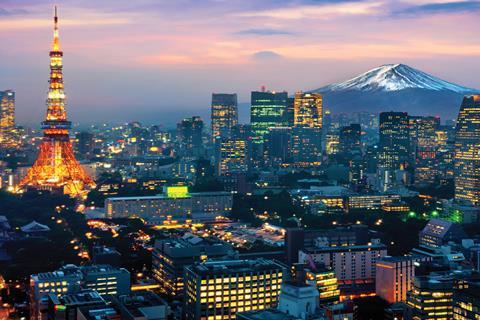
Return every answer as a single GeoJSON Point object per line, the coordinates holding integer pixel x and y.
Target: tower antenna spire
{"type": "Point", "coordinates": [56, 43]}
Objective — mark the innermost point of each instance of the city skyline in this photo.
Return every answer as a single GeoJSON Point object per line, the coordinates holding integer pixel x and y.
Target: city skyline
{"type": "Point", "coordinates": [164, 50]}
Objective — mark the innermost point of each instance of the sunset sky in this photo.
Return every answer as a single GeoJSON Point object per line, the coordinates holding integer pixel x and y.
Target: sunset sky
{"type": "Point", "coordinates": [158, 61]}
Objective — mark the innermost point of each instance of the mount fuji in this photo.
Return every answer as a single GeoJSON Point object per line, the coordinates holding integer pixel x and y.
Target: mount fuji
{"type": "Point", "coordinates": [396, 87]}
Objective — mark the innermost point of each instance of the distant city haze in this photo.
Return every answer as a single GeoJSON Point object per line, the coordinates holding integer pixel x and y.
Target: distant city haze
{"type": "Point", "coordinates": [159, 61]}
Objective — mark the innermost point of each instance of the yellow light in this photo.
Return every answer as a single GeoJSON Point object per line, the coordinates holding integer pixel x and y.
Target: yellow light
{"type": "Point", "coordinates": [177, 192]}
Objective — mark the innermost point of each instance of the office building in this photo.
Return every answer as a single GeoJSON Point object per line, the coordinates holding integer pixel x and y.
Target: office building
{"type": "Point", "coordinates": [466, 303]}
{"type": "Point", "coordinates": [306, 145]}
{"type": "Point", "coordinates": [278, 145]}
{"type": "Point", "coordinates": [65, 280]}
{"type": "Point", "coordinates": [350, 139]}
{"type": "Point", "coordinates": [394, 143]}
{"type": "Point", "coordinates": [439, 232]}
{"type": "Point", "coordinates": [357, 171]}
{"type": "Point", "coordinates": [65, 307]}
{"type": "Point", "coordinates": [7, 119]}
{"type": "Point", "coordinates": [467, 151]}
{"type": "Point", "coordinates": [431, 297]}
{"type": "Point", "coordinates": [424, 147]}
{"type": "Point", "coordinates": [308, 110]}
{"type": "Point", "coordinates": [142, 305]}
{"type": "Point", "coordinates": [325, 281]}
{"type": "Point", "coordinates": [232, 156]}
{"type": "Point", "coordinates": [190, 136]}
{"type": "Point", "coordinates": [220, 289]}
{"type": "Point", "coordinates": [84, 145]}
{"type": "Point", "coordinates": [268, 109]}
{"type": "Point", "coordinates": [394, 276]}
{"type": "Point", "coordinates": [106, 280]}
{"type": "Point", "coordinates": [170, 256]}
{"type": "Point", "coordinates": [307, 130]}
{"type": "Point", "coordinates": [351, 263]}
{"type": "Point", "coordinates": [224, 114]}
{"type": "Point", "coordinates": [176, 202]}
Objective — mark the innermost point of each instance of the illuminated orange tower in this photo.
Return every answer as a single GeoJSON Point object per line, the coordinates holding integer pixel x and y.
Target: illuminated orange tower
{"type": "Point", "coordinates": [56, 167]}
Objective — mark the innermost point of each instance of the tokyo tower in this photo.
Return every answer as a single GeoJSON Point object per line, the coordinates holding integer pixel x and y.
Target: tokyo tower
{"type": "Point", "coordinates": [56, 167]}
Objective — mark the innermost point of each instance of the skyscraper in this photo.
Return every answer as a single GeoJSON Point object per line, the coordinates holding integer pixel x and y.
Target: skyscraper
{"type": "Point", "coordinates": [308, 108]}
{"type": "Point", "coordinates": [189, 135]}
{"type": "Point", "coordinates": [467, 151]}
{"type": "Point", "coordinates": [424, 147]}
{"type": "Point", "coordinates": [224, 114]}
{"type": "Point", "coordinates": [84, 144]}
{"type": "Point", "coordinates": [394, 141]}
{"type": "Point", "coordinates": [56, 166]}
{"type": "Point", "coordinates": [307, 131]}
{"type": "Point", "coordinates": [278, 145]}
{"type": "Point", "coordinates": [350, 139]}
{"type": "Point", "coordinates": [269, 109]}
{"type": "Point", "coordinates": [232, 156]}
{"type": "Point", "coordinates": [7, 119]}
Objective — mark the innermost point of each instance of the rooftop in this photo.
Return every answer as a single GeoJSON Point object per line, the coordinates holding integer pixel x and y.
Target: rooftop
{"type": "Point", "coordinates": [134, 302]}
{"type": "Point", "coordinates": [234, 266]}
{"type": "Point", "coordinates": [82, 297]}
{"type": "Point", "coordinates": [270, 314]}
{"type": "Point", "coordinates": [162, 196]}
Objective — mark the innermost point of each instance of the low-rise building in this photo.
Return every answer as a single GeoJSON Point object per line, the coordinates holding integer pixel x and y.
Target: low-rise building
{"type": "Point", "coordinates": [438, 232]}
{"type": "Point", "coordinates": [65, 307]}
{"type": "Point", "coordinates": [142, 305]}
{"type": "Point", "coordinates": [221, 289]}
{"type": "Point", "coordinates": [351, 264]}
{"type": "Point", "coordinates": [394, 277]}
{"type": "Point", "coordinates": [176, 203]}
{"type": "Point", "coordinates": [106, 280]}
{"type": "Point", "coordinates": [65, 280]}
{"type": "Point", "coordinates": [170, 256]}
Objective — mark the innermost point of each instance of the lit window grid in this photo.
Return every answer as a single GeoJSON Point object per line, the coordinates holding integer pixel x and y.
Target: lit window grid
{"type": "Point", "coordinates": [223, 296]}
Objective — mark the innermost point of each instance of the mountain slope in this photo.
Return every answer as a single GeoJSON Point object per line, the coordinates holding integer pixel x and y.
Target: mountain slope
{"type": "Point", "coordinates": [396, 87]}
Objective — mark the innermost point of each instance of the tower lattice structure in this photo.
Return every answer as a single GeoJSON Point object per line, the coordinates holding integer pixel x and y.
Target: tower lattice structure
{"type": "Point", "coordinates": [56, 167]}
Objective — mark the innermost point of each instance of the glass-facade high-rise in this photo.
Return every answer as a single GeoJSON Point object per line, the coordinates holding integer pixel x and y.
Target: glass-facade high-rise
{"type": "Point", "coordinates": [467, 151]}
{"type": "Point", "coordinates": [308, 110]}
{"type": "Point", "coordinates": [394, 141]}
{"type": "Point", "coordinates": [268, 109]}
{"type": "Point", "coordinates": [424, 147]}
{"type": "Point", "coordinates": [224, 114]}
{"type": "Point", "coordinates": [189, 134]}
{"type": "Point", "coordinates": [7, 118]}
{"type": "Point", "coordinates": [307, 130]}
{"type": "Point", "coordinates": [232, 156]}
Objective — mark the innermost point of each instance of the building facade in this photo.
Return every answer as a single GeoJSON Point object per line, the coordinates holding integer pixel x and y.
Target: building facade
{"type": "Point", "coordinates": [220, 289]}
{"type": "Point", "coordinates": [201, 206]}
{"type": "Point", "coordinates": [190, 136]}
{"type": "Point", "coordinates": [394, 143]}
{"type": "Point", "coordinates": [169, 257]}
{"type": "Point", "coordinates": [307, 130]}
{"type": "Point", "coordinates": [7, 119]}
{"type": "Point", "coordinates": [232, 156]}
{"type": "Point", "coordinates": [268, 109]}
{"type": "Point", "coordinates": [224, 114]}
{"type": "Point", "coordinates": [394, 277]}
{"type": "Point", "coordinates": [467, 151]}
{"type": "Point", "coordinates": [351, 264]}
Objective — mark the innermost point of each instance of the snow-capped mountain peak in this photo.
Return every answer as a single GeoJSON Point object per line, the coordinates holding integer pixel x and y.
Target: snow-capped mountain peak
{"type": "Point", "coordinates": [395, 77]}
